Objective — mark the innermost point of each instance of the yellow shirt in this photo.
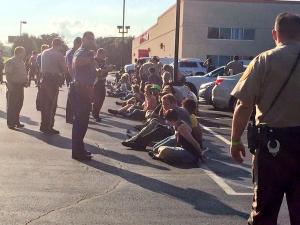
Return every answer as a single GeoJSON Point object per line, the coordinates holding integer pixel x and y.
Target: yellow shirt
{"type": "Point", "coordinates": [194, 121]}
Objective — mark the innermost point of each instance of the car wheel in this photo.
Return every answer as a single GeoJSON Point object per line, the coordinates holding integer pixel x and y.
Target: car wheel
{"type": "Point", "coordinates": [192, 88]}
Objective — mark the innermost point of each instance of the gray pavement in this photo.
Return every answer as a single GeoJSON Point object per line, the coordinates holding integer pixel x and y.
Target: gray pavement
{"type": "Point", "coordinates": [41, 184]}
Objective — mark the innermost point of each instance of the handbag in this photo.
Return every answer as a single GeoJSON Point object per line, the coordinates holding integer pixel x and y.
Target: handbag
{"type": "Point", "coordinates": [252, 128]}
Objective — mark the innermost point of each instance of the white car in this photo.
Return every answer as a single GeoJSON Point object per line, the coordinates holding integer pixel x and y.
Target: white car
{"type": "Point", "coordinates": [205, 92]}
{"type": "Point", "coordinates": [191, 67]}
{"type": "Point", "coordinates": [221, 93]}
{"type": "Point", "coordinates": [194, 82]}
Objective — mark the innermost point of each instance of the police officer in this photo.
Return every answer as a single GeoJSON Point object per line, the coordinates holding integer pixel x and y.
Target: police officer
{"type": "Point", "coordinates": [69, 61]}
{"type": "Point", "coordinates": [99, 86]}
{"type": "Point", "coordinates": [235, 66]}
{"type": "Point", "coordinates": [16, 77]}
{"type": "Point", "coordinates": [53, 68]}
{"type": "Point", "coordinates": [266, 85]}
{"type": "Point", "coordinates": [84, 69]}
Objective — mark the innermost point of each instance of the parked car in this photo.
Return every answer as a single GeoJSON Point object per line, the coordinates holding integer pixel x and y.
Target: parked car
{"type": "Point", "coordinates": [205, 92]}
{"type": "Point", "coordinates": [194, 82]}
{"type": "Point", "coordinates": [221, 93]}
{"type": "Point", "coordinates": [191, 67]}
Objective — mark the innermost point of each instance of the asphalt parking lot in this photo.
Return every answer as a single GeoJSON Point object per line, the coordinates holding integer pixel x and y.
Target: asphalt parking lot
{"type": "Point", "coordinates": [40, 184]}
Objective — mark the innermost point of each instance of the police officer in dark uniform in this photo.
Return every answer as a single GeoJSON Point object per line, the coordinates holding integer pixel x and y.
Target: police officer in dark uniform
{"type": "Point", "coordinates": [99, 86]}
{"type": "Point", "coordinates": [84, 69]}
{"type": "Point", "coordinates": [272, 84]}
{"type": "Point", "coordinates": [16, 76]}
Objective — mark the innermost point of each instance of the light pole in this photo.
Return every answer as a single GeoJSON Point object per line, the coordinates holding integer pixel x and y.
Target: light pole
{"type": "Point", "coordinates": [177, 29]}
{"type": "Point", "coordinates": [22, 22]}
{"type": "Point", "coordinates": [123, 30]}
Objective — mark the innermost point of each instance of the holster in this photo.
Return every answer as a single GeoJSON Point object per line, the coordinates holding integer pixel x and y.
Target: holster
{"type": "Point", "coordinates": [252, 137]}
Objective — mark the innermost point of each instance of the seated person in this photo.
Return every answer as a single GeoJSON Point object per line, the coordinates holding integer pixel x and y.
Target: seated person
{"type": "Point", "coordinates": [136, 97]}
{"type": "Point", "coordinates": [188, 149]}
{"type": "Point", "coordinates": [122, 88]}
{"type": "Point", "coordinates": [157, 129]}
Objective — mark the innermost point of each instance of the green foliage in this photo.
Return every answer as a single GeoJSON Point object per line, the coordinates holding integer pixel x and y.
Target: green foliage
{"type": "Point", "coordinates": [113, 47]}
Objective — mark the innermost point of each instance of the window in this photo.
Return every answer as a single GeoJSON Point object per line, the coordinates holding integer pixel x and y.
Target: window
{"type": "Point", "coordinates": [249, 34]}
{"type": "Point", "coordinates": [231, 33]}
{"type": "Point", "coordinates": [188, 64]}
{"type": "Point", "coordinates": [213, 33]}
{"type": "Point", "coordinates": [225, 33]}
{"type": "Point", "coordinates": [237, 33]}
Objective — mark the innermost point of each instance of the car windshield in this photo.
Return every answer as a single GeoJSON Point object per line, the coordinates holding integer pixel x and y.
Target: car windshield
{"type": "Point", "coordinates": [217, 72]}
{"type": "Point", "coordinates": [188, 64]}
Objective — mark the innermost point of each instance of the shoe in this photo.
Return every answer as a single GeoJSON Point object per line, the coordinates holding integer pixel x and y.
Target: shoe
{"type": "Point", "coordinates": [20, 125]}
{"type": "Point", "coordinates": [82, 157]}
{"type": "Point", "coordinates": [12, 127]}
{"type": "Point", "coordinates": [119, 103]}
{"type": "Point", "coordinates": [98, 119]}
{"type": "Point", "coordinates": [133, 145]}
{"type": "Point", "coordinates": [112, 111]}
{"type": "Point", "coordinates": [87, 152]}
{"type": "Point", "coordinates": [54, 131]}
{"type": "Point", "coordinates": [152, 155]}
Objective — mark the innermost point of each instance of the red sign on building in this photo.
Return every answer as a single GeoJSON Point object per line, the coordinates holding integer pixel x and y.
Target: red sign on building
{"type": "Point", "coordinates": [144, 37]}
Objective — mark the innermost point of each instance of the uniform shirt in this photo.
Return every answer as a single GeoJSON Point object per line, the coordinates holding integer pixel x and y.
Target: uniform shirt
{"type": "Point", "coordinates": [51, 61]}
{"type": "Point", "coordinates": [144, 70]}
{"type": "Point", "coordinates": [15, 71]}
{"type": "Point", "coordinates": [235, 66]}
{"type": "Point", "coordinates": [262, 81]}
{"type": "Point", "coordinates": [85, 74]}
{"type": "Point", "coordinates": [69, 60]}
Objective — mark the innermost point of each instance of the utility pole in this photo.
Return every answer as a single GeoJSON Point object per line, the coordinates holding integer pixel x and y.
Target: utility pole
{"type": "Point", "coordinates": [177, 29]}
{"type": "Point", "coordinates": [123, 30]}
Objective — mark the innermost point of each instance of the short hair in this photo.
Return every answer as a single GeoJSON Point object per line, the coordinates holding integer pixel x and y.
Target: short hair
{"type": "Point", "coordinates": [77, 40]}
{"type": "Point", "coordinates": [172, 115]}
{"type": "Point", "coordinates": [18, 50]}
{"type": "Point", "coordinates": [44, 47]}
{"type": "Point", "coordinates": [57, 42]}
{"type": "Point", "coordinates": [169, 97]}
{"type": "Point", "coordinates": [288, 25]}
{"type": "Point", "coordinates": [101, 51]}
{"type": "Point", "coordinates": [87, 33]}
{"type": "Point", "coordinates": [155, 59]}
{"type": "Point", "coordinates": [190, 105]}
{"type": "Point", "coordinates": [236, 57]}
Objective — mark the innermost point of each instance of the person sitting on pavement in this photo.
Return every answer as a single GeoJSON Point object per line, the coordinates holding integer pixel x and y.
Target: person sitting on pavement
{"type": "Point", "coordinates": [166, 78]}
{"type": "Point", "coordinates": [188, 149]}
{"type": "Point", "coordinates": [135, 111]}
{"type": "Point", "coordinates": [157, 129]}
{"type": "Point", "coordinates": [136, 97]}
{"type": "Point", "coordinates": [122, 88]}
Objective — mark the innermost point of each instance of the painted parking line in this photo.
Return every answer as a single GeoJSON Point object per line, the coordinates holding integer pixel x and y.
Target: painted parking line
{"type": "Point", "coordinates": [219, 180]}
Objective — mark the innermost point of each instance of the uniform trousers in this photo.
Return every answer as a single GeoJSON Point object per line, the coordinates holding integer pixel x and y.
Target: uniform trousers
{"type": "Point", "coordinates": [99, 96]}
{"type": "Point", "coordinates": [275, 176]}
{"type": "Point", "coordinates": [48, 102]}
{"type": "Point", "coordinates": [15, 98]}
{"type": "Point", "coordinates": [81, 105]}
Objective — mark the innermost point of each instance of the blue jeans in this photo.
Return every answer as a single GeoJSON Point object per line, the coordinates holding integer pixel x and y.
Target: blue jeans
{"type": "Point", "coordinates": [169, 141]}
{"type": "Point", "coordinates": [81, 104]}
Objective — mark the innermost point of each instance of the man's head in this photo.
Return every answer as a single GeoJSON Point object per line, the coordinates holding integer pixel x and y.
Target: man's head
{"type": "Point", "coordinates": [57, 43]}
{"type": "Point", "coordinates": [88, 40]}
{"type": "Point", "coordinates": [100, 54]}
{"type": "Point", "coordinates": [155, 59]}
{"type": "Point", "coordinates": [77, 43]}
{"type": "Point", "coordinates": [168, 102]}
{"type": "Point", "coordinates": [286, 28]}
{"type": "Point", "coordinates": [236, 58]}
{"type": "Point", "coordinates": [20, 52]}
{"type": "Point", "coordinates": [44, 47]}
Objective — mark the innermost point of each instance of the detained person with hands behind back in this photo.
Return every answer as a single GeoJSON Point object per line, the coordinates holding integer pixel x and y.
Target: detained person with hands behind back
{"type": "Point", "coordinates": [271, 83]}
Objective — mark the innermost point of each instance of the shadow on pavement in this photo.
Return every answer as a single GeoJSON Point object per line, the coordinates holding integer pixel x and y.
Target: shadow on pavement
{"type": "Point", "coordinates": [200, 200]}
{"type": "Point", "coordinates": [23, 119]}
{"type": "Point", "coordinates": [66, 143]}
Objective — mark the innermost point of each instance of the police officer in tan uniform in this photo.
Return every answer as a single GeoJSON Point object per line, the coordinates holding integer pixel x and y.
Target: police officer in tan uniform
{"type": "Point", "coordinates": [276, 164]}
{"type": "Point", "coordinates": [16, 76]}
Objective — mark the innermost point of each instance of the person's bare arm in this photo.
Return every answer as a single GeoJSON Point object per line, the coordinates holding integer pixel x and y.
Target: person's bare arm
{"type": "Point", "coordinates": [241, 117]}
{"type": "Point", "coordinates": [185, 132]}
